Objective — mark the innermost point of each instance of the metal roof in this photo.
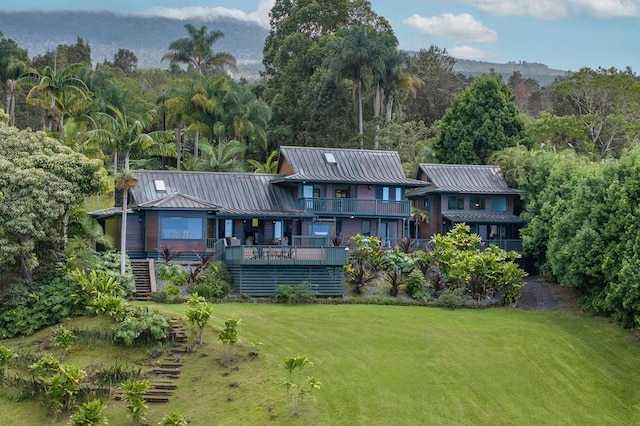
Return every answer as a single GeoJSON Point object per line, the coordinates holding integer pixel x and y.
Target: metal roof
{"type": "Point", "coordinates": [481, 217]}
{"type": "Point", "coordinates": [179, 201]}
{"type": "Point", "coordinates": [464, 178]}
{"type": "Point", "coordinates": [248, 194]}
{"type": "Point", "coordinates": [344, 165]}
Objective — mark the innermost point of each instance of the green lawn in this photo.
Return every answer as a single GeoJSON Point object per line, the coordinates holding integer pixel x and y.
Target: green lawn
{"type": "Point", "coordinates": [398, 365]}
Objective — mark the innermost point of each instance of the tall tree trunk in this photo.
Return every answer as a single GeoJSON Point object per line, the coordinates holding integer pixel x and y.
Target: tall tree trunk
{"type": "Point", "coordinates": [178, 146]}
{"type": "Point", "coordinates": [123, 234]}
{"type": "Point", "coordinates": [360, 121]}
{"type": "Point", "coordinates": [389, 109]}
{"type": "Point", "coordinates": [196, 139]}
{"type": "Point", "coordinates": [23, 262]}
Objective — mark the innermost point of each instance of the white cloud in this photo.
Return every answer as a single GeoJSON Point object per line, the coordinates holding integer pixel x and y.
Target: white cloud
{"type": "Point", "coordinates": [558, 9]}
{"type": "Point", "coordinates": [463, 27]}
{"type": "Point", "coordinates": [467, 52]}
{"type": "Point", "coordinates": [259, 16]}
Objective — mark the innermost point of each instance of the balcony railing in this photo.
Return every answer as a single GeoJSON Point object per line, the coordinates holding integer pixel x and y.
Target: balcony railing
{"type": "Point", "coordinates": [356, 207]}
{"type": "Point", "coordinates": [286, 255]}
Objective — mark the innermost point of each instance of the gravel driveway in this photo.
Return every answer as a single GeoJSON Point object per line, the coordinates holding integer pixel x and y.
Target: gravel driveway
{"type": "Point", "coordinates": [539, 295]}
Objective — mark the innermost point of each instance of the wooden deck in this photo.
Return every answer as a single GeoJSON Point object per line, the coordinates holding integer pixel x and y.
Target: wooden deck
{"type": "Point", "coordinates": [286, 255]}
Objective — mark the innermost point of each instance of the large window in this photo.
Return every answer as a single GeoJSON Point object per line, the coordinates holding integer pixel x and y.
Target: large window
{"type": "Point", "coordinates": [342, 193]}
{"type": "Point", "coordinates": [391, 193]}
{"type": "Point", "coordinates": [477, 203]}
{"type": "Point", "coordinates": [455, 202]}
{"type": "Point", "coordinates": [181, 228]}
{"type": "Point", "coordinates": [499, 204]}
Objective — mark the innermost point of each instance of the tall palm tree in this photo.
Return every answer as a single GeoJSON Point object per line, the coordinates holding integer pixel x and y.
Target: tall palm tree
{"type": "Point", "coordinates": [56, 91]}
{"type": "Point", "coordinates": [124, 182]}
{"type": "Point", "coordinates": [248, 117]}
{"type": "Point", "coordinates": [360, 55]}
{"type": "Point", "coordinates": [196, 51]}
{"type": "Point", "coordinates": [13, 63]}
{"type": "Point", "coordinates": [130, 136]}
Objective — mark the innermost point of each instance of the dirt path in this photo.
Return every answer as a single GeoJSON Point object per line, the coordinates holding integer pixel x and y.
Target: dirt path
{"type": "Point", "coordinates": [540, 295]}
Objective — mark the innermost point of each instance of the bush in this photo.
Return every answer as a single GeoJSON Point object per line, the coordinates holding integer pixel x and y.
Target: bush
{"type": "Point", "coordinates": [212, 283]}
{"type": "Point", "coordinates": [48, 302]}
{"type": "Point", "coordinates": [169, 294]}
{"type": "Point", "coordinates": [453, 298]}
{"type": "Point", "coordinates": [302, 293]}
{"type": "Point", "coordinates": [417, 286]}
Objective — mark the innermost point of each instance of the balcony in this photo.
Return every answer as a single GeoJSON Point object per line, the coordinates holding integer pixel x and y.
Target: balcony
{"type": "Point", "coordinates": [356, 207]}
{"type": "Point", "coordinates": [286, 255]}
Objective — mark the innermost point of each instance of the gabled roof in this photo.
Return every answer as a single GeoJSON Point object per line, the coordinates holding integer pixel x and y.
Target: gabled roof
{"type": "Point", "coordinates": [247, 194]}
{"type": "Point", "coordinates": [463, 178]}
{"type": "Point", "coordinates": [179, 201]}
{"type": "Point", "coordinates": [306, 164]}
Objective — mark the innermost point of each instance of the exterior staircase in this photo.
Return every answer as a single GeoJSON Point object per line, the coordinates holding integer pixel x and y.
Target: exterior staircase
{"type": "Point", "coordinates": [143, 272]}
{"type": "Point", "coordinates": [165, 372]}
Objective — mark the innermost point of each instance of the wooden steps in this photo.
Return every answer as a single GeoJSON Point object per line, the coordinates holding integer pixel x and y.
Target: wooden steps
{"type": "Point", "coordinates": [141, 273]}
{"type": "Point", "coordinates": [165, 372]}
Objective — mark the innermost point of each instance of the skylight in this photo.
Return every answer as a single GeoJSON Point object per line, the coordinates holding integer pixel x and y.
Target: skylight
{"type": "Point", "coordinates": [159, 184]}
{"type": "Point", "coordinates": [329, 158]}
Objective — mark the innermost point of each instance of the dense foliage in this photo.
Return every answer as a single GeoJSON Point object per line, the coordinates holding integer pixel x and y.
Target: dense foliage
{"type": "Point", "coordinates": [480, 121]}
{"type": "Point", "coordinates": [583, 229]}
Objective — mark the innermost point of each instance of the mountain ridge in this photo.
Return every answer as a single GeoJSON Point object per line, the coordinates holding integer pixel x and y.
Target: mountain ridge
{"type": "Point", "coordinates": [149, 38]}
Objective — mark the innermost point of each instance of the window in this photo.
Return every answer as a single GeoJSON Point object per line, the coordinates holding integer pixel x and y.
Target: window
{"type": "Point", "coordinates": [390, 193]}
{"type": "Point", "coordinates": [499, 204]}
{"type": "Point", "coordinates": [455, 202]}
{"type": "Point", "coordinates": [477, 203]}
{"type": "Point", "coordinates": [228, 228]}
{"type": "Point", "coordinates": [329, 158]}
{"type": "Point", "coordinates": [319, 229]}
{"type": "Point", "coordinates": [181, 228]}
{"type": "Point", "coordinates": [342, 193]}
{"type": "Point", "coordinates": [365, 228]}
{"type": "Point", "coordinates": [159, 185]}
{"type": "Point", "coordinates": [277, 229]}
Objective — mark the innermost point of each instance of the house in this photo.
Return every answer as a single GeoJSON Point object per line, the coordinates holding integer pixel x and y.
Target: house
{"type": "Point", "coordinates": [270, 229]}
{"type": "Point", "coordinates": [476, 195]}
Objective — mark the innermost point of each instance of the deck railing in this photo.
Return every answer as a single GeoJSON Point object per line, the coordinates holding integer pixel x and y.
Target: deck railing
{"type": "Point", "coordinates": [356, 207]}
{"type": "Point", "coordinates": [286, 255]}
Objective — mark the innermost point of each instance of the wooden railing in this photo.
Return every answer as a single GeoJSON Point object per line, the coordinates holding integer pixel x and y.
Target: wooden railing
{"type": "Point", "coordinates": [356, 207]}
{"type": "Point", "coordinates": [286, 255]}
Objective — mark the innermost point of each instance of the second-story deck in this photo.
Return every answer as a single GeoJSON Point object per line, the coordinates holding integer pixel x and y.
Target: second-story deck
{"type": "Point", "coordinates": [286, 255]}
{"type": "Point", "coordinates": [356, 207]}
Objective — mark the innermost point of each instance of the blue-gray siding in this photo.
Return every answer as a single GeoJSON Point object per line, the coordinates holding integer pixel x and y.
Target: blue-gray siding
{"type": "Point", "coordinates": [263, 280]}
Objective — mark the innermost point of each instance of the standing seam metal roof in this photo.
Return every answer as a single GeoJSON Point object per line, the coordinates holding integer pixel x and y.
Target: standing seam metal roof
{"type": "Point", "coordinates": [351, 166]}
{"type": "Point", "coordinates": [233, 193]}
{"type": "Point", "coordinates": [465, 179]}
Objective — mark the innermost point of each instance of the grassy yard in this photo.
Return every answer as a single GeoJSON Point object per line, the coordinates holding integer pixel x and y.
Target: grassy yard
{"type": "Point", "coordinates": [392, 365]}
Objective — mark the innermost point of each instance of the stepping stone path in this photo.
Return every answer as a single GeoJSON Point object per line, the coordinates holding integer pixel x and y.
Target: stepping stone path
{"type": "Point", "coordinates": [162, 377]}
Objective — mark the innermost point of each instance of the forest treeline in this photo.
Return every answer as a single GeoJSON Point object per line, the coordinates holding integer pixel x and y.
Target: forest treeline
{"type": "Point", "coordinates": [334, 77]}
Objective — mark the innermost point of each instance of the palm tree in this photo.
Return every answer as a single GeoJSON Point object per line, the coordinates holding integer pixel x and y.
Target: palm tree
{"type": "Point", "coordinates": [56, 91]}
{"type": "Point", "coordinates": [270, 166]}
{"type": "Point", "coordinates": [196, 52]}
{"type": "Point", "coordinates": [13, 63]}
{"type": "Point", "coordinates": [124, 182]}
{"type": "Point", "coordinates": [359, 56]}
{"type": "Point", "coordinates": [128, 136]}
{"type": "Point", "coordinates": [225, 157]}
{"type": "Point", "coordinates": [248, 117]}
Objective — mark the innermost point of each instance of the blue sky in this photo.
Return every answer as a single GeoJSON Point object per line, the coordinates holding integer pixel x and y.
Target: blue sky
{"type": "Point", "coordinates": [564, 34]}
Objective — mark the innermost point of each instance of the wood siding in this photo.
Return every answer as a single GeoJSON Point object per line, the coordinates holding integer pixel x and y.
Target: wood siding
{"type": "Point", "coordinates": [263, 280]}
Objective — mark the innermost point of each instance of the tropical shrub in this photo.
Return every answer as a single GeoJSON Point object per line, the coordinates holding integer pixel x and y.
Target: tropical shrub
{"type": "Point", "coordinates": [90, 413]}
{"type": "Point", "coordinates": [292, 294]}
{"type": "Point", "coordinates": [133, 392]}
{"type": "Point", "coordinates": [363, 262]}
{"type": "Point", "coordinates": [198, 313]}
{"type": "Point", "coordinates": [298, 388]}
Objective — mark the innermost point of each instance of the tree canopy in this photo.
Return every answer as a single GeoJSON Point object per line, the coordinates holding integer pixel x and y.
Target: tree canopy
{"type": "Point", "coordinates": [41, 181]}
{"type": "Point", "coordinates": [480, 121]}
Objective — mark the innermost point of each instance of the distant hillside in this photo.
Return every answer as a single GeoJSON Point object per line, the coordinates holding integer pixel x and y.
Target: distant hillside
{"type": "Point", "coordinates": [539, 72]}
{"type": "Point", "coordinates": [149, 39]}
